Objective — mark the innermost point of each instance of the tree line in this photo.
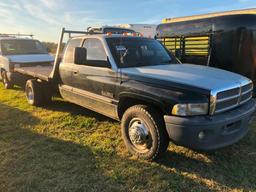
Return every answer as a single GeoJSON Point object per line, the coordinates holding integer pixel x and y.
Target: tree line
{"type": "Point", "coordinates": [52, 47]}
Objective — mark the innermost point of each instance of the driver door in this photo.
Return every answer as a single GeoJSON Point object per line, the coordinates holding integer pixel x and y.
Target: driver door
{"type": "Point", "coordinates": [95, 82]}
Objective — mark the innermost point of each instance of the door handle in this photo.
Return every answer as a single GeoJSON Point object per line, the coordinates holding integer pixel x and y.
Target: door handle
{"type": "Point", "coordinates": [75, 72]}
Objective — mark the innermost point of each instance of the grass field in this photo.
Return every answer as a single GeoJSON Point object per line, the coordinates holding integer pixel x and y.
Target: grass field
{"type": "Point", "coordinates": [63, 147]}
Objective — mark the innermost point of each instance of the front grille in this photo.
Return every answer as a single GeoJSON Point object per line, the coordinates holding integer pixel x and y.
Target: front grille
{"type": "Point", "coordinates": [232, 98]}
{"type": "Point", "coordinates": [229, 93]}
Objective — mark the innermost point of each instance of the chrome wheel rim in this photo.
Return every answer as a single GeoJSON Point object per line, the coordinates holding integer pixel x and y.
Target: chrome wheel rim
{"type": "Point", "coordinates": [30, 95]}
{"type": "Point", "coordinates": [4, 80]}
{"type": "Point", "coordinates": [139, 135]}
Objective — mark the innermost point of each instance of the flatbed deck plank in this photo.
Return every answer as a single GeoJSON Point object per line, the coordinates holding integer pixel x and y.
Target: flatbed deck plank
{"type": "Point", "coordinates": [41, 72]}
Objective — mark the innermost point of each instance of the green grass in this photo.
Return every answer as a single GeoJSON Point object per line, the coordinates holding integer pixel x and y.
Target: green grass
{"type": "Point", "coordinates": [63, 147]}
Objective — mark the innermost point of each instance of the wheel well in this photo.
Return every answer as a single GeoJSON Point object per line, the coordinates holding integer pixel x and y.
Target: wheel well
{"type": "Point", "coordinates": [127, 102]}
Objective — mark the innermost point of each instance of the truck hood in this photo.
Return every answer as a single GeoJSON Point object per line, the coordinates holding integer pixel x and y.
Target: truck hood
{"type": "Point", "coordinates": [203, 77]}
{"type": "Point", "coordinates": [33, 58]}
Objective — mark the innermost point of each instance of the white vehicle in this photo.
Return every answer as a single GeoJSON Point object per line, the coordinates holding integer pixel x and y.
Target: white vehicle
{"type": "Point", "coordinates": [147, 30]}
{"type": "Point", "coordinates": [19, 51]}
{"type": "Point", "coordinates": [109, 29]}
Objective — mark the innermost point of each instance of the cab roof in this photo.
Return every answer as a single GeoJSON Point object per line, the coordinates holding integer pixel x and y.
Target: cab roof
{"type": "Point", "coordinates": [14, 38]}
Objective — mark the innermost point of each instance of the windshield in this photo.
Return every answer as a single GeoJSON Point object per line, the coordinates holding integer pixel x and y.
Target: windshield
{"type": "Point", "coordinates": [137, 52]}
{"type": "Point", "coordinates": [22, 47]}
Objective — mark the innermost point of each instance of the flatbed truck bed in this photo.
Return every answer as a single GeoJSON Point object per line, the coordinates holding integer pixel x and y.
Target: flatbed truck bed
{"type": "Point", "coordinates": [46, 72]}
{"type": "Point", "coordinates": [39, 72]}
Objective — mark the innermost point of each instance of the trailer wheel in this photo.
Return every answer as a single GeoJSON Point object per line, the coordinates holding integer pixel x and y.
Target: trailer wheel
{"type": "Point", "coordinates": [144, 132]}
{"type": "Point", "coordinates": [34, 93]}
{"type": "Point", "coordinates": [7, 84]}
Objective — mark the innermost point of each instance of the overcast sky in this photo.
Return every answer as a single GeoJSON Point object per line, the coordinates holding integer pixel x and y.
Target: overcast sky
{"type": "Point", "coordinates": [44, 18]}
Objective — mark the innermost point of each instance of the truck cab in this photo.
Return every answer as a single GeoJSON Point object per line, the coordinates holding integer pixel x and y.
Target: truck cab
{"type": "Point", "coordinates": [16, 51]}
{"type": "Point", "coordinates": [109, 29]}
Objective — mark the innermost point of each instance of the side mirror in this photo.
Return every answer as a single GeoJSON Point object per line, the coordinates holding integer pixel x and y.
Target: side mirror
{"type": "Point", "coordinates": [80, 55]}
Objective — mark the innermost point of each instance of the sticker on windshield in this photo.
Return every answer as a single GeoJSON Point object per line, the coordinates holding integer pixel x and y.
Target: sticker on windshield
{"type": "Point", "coordinates": [120, 48]}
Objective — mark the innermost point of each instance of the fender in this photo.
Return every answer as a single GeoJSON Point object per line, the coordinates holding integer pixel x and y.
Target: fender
{"type": "Point", "coordinates": [163, 98]}
{"type": "Point", "coordinates": [4, 63]}
{"type": "Point", "coordinates": [139, 91]}
{"type": "Point", "coordinates": [143, 98]}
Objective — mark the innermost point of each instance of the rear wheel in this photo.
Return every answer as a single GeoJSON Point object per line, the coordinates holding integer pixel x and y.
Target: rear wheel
{"type": "Point", "coordinates": [34, 93]}
{"type": "Point", "coordinates": [7, 84]}
{"type": "Point", "coordinates": [144, 132]}
{"type": "Point", "coordinates": [47, 97]}
{"type": "Point", "coordinates": [47, 93]}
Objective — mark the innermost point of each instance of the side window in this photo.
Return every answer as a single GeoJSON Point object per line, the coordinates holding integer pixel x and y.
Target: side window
{"type": "Point", "coordinates": [95, 50]}
{"type": "Point", "coordinates": [69, 53]}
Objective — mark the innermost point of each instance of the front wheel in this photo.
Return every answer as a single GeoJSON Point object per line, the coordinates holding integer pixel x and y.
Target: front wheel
{"type": "Point", "coordinates": [7, 84]}
{"type": "Point", "coordinates": [144, 132]}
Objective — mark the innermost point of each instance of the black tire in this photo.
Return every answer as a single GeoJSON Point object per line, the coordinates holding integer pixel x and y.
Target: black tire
{"type": "Point", "coordinates": [144, 132]}
{"type": "Point", "coordinates": [47, 98]}
{"type": "Point", "coordinates": [47, 95]}
{"type": "Point", "coordinates": [34, 93]}
{"type": "Point", "coordinates": [7, 84]}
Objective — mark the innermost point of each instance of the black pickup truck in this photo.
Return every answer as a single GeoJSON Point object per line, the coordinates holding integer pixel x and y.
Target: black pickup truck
{"type": "Point", "coordinates": [156, 98]}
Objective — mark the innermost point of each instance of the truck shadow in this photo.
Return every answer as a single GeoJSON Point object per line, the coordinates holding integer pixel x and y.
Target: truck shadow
{"type": "Point", "coordinates": [33, 161]}
{"type": "Point", "coordinates": [63, 106]}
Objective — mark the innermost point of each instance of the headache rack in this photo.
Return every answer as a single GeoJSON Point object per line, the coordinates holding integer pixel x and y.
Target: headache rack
{"type": "Point", "coordinates": [54, 73]}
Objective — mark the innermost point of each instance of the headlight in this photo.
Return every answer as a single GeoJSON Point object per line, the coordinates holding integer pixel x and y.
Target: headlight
{"type": "Point", "coordinates": [190, 109]}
